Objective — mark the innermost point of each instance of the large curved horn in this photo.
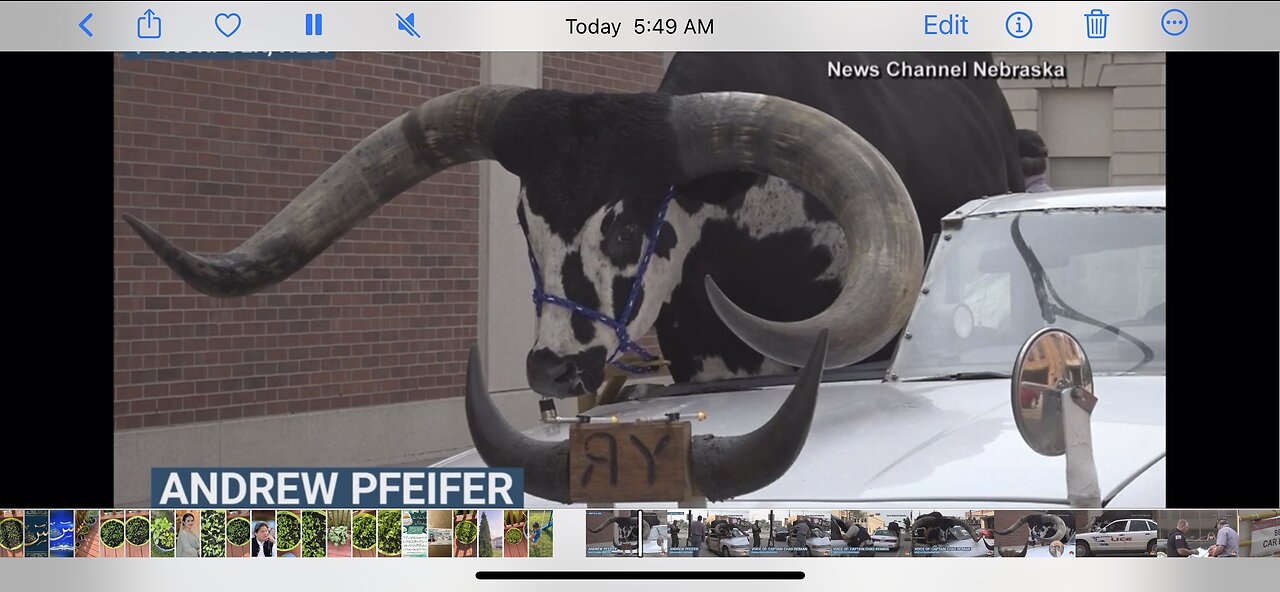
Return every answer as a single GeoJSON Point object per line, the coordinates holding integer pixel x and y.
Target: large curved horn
{"type": "Point", "coordinates": [1060, 531]}
{"type": "Point", "coordinates": [720, 132]}
{"type": "Point", "coordinates": [973, 534]}
{"type": "Point", "coordinates": [619, 520]}
{"type": "Point", "coordinates": [546, 464]}
{"type": "Point", "coordinates": [771, 448]}
{"type": "Point", "coordinates": [1016, 525]}
{"type": "Point", "coordinates": [451, 129]}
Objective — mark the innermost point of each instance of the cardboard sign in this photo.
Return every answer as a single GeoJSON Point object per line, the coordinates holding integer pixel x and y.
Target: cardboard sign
{"type": "Point", "coordinates": [1266, 538]}
{"type": "Point", "coordinates": [630, 462]}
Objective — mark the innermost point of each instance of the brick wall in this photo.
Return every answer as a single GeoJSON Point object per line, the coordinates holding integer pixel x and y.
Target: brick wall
{"type": "Point", "coordinates": [609, 72]}
{"type": "Point", "coordinates": [619, 72]}
{"type": "Point", "coordinates": [208, 152]}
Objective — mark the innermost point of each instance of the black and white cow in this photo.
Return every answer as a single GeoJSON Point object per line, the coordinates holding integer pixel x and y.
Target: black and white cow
{"type": "Point", "coordinates": [775, 250]}
{"type": "Point", "coordinates": [768, 206]}
{"type": "Point", "coordinates": [1042, 529]}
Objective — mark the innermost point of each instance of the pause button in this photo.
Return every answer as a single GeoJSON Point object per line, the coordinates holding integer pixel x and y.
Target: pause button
{"type": "Point", "coordinates": [315, 24]}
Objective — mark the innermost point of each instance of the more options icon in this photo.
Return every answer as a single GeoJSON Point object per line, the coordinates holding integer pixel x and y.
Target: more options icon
{"type": "Point", "coordinates": [1018, 25]}
{"type": "Point", "coordinates": [1174, 22]}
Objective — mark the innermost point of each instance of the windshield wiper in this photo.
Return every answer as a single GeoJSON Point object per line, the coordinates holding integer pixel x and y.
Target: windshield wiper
{"type": "Point", "coordinates": [963, 376]}
{"type": "Point", "coordinates": [859, 371]}
{"type": "Point", "coordinates": [1051, 310]}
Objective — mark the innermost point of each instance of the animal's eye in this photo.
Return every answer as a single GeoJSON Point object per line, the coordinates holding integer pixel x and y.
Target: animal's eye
{"type": "Point", "coordinates": [628, 233]}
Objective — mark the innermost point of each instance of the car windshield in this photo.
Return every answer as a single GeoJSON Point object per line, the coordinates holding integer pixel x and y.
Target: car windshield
{"type": "Point", "coordinates": [999, 278]}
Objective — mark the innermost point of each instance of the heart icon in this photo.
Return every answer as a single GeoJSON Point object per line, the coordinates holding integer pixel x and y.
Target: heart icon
{"type": "Point", "coordinates": [227, 24]}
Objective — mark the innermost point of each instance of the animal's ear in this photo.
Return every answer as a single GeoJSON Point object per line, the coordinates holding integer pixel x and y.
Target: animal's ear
{"type": "Point", "coordinates": [720, 187]}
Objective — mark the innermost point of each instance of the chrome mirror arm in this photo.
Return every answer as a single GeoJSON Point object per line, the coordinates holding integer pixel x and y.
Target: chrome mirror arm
{"type": "Point", "coordinates": [1082, 474]}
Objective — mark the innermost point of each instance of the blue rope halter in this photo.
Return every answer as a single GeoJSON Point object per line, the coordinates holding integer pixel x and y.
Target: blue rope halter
{"type": "Point", "coordinates": [619, 327]}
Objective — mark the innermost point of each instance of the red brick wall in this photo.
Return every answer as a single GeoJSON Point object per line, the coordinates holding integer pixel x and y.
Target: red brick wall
{"type": "Point", "coordinates": [612, 72]}
{"type": "Point", "coordinates": [621, 72]}
{"type": "Point", "coordinates": [208, 152]}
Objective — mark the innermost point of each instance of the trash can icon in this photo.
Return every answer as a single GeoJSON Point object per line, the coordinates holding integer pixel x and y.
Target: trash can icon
{"type": "Point", "coordinates": [1096, 24]}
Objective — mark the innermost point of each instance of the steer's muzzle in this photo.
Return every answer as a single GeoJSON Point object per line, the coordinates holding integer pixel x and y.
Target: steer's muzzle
{"type": "Point", "coordinates": [553, 375]}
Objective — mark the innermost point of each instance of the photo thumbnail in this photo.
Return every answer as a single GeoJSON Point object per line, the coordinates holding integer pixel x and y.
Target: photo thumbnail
{"type": "Point", "coordinates": [613, 533]}
{"type": "Point", "coordinates": [1037, 533]}
{"type": "Point", "coordinates": [952, 533]}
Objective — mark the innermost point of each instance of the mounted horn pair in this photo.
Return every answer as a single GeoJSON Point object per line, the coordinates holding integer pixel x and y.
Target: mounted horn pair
{"type": "Point", "coordinates": [619, 520]}
{"type": "Point", "coordinates": [715, 132]}
{"type": "Point", "coordinates": [716, 461]}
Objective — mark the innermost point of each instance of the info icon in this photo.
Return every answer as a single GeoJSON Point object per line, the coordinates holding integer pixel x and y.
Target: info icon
{"type": "Point", "coordinates": [1018, 25]}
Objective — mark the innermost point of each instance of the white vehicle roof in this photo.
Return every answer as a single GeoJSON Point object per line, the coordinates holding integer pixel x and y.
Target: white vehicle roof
{"type": "Point", "coordinates": [1100, 197]}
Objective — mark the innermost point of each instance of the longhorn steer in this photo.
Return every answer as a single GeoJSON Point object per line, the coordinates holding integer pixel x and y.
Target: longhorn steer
{"type": "Point", "coordinates": [627, 537]}
{"type": "Point", "coordinates": [751, 187]}
{"type": "Point", "coordinates": [1042, 528]}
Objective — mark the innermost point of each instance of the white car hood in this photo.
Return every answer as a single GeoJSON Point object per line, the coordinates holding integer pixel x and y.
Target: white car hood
{"type": "Point", "coordinates": [736, 541]}
{"type": "Point", "coordinates": [1068, 550]}
{"type": "Point", "coordinates": [900, 445]}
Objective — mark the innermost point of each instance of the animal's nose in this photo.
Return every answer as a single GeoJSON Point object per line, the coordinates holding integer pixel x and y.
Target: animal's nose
{"type": "Point", "coordinates": [552, 375]}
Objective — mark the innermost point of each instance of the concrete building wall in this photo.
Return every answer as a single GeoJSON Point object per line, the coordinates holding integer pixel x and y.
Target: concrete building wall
{"type": "Point", "coordinates": [1127, 140]}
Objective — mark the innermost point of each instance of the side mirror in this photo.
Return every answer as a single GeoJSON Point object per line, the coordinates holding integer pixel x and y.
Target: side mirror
{"type": "Point", "coordinates": [1053, 399]}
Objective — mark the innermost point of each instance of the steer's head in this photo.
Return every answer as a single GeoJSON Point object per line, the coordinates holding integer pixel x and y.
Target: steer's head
{"type": "Point", "coordinates": [594, 170]}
